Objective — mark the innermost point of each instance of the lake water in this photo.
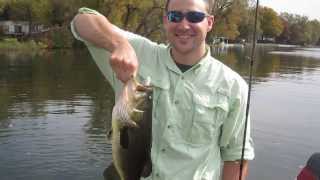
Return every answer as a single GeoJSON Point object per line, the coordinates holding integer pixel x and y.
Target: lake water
{"type": "Point", "coordinates": [55, 111]}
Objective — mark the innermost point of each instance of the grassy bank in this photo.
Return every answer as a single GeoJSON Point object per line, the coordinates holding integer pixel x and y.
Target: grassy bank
{"type": "Point", "coordinates": [14, 44]}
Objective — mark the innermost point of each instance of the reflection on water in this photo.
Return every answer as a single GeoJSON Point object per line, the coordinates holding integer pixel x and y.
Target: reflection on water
{"type": "Point", "coordinates": [300, 52]}
{"type": "Point", "coordinates": [284, 109]}
{"type": "Point", "coordinates": [269, 61]}
{"type": "Point", "coordinates": [55, 111]}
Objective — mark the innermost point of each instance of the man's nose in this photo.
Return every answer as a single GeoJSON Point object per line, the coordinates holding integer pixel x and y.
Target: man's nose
{"type": "Point", "coordinates": [185, 23]}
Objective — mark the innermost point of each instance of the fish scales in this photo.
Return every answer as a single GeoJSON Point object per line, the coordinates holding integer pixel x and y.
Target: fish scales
{"type": "Point", "coordinates": [131, 133]}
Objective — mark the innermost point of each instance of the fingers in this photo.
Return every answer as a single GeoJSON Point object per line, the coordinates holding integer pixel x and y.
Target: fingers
{"type": "Point", "coordinates": [124, 64]}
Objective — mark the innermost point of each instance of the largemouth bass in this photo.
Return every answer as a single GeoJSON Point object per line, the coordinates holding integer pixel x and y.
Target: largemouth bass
{"type": "Point", "coordinates": [131, 133]}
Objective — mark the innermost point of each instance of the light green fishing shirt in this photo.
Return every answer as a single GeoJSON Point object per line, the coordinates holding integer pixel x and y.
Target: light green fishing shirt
{"type": "Point", "coordinates": [198, 116]}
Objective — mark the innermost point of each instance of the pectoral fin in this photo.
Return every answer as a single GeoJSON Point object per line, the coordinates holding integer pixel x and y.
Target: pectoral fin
{"type": "Point", "coordinates": [124, 138]}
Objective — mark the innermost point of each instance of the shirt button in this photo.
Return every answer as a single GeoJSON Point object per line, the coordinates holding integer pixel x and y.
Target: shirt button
{"type": "Point", "coordinates": [168, 126]}
{"type": "Point", "coordinates": [163, 150]}
{"type": "Point", "coordinates": [176, 102]}
{"type": "Point", "coordinates": [182, 77]}
{"type": "Point", "coordinates": [157, 174]}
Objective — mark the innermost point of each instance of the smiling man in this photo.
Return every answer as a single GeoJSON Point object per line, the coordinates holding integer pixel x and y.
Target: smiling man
{"type": "Point", "coordinates": [198, 105]}
{"type": "Point", "coordinates": [187, 38]}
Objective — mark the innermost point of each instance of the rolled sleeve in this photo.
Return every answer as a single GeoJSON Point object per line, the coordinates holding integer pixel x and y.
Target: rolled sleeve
{"type": "Point", "coordinates": [100, 55]}
{"type": "Point", "coordinates": [233, 129]}
{"type": "Point", "coordinates": [142, 46]}
{"type": "Point", "coordinates": [83, 10]}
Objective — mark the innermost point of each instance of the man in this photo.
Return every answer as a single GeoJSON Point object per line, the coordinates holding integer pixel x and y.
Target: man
{"type": "Point", "coordinates": [199, 103]}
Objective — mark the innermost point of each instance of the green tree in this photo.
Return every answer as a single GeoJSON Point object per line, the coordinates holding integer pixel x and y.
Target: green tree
{"type": "Point", "coordinates": [271, 24]}
{"type": "Point", "coordinates": [140, 16]}
{"type": "Point", "coordinates": [33, 11]}
{"type": "Point", "coordinates": [220, 6]}
{"type": "Point", "coordinates": [2, 5]}
{"type": "Point", "coordinates": [228, 17]}
{"type": "Point", "coordinates": [61, 12]}
{"type": "Point", "coordinates": [313, 32]}
{"type": "Point", "coordinates": [300, 30]}
{"type": "Point", "coordinates": [246, 27]}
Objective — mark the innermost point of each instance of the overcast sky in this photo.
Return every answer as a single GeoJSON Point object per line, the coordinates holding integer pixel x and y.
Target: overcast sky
{"type": "Point", "coordinates": [310, 8]}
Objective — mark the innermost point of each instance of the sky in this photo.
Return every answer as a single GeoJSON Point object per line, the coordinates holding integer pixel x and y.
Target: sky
{"type": "Point", "coordinates": [308, 8]}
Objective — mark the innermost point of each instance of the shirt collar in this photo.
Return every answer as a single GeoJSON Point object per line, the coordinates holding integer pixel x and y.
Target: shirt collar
{"type": "Point", "coordinates": [173, 67]}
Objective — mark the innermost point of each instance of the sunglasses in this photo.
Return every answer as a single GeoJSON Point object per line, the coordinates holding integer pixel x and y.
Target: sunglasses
{"type": "Point", "coordinates": [191, 16]}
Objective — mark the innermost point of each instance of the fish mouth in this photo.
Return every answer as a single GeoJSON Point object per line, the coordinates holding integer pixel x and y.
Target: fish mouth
{"type": "Point", "coordinates": [143, 88]}
{"type": "Point", "coordinates": [136, 99]}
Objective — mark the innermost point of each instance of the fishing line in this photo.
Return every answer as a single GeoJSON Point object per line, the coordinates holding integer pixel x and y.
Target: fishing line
{"type": "Point", "coordinates": [250, 85]}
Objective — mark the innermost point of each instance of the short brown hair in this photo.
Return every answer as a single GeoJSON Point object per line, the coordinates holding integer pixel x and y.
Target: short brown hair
{"type": "Point", "coordinates": [209, 4]}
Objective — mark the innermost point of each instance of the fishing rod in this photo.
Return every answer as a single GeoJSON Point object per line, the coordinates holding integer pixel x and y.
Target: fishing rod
{"type": "Point", "coordinates": [250, 86]}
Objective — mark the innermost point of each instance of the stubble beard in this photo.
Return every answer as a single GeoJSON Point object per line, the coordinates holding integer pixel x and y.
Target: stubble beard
{"type": "Point", "coordinates": [178, 47]}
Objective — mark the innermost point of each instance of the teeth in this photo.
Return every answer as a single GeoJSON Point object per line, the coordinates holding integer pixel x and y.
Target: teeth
{"type": "Point", "coordinates": [184, 36]}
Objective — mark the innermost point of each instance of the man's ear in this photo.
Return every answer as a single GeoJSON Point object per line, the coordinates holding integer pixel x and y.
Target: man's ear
{"type": "Point", "coordinates": [210, 22]}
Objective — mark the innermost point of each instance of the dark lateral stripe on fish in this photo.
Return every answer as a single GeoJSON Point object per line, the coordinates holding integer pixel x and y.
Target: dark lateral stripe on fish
{"type": "Point", "coordinates": [124, 138]}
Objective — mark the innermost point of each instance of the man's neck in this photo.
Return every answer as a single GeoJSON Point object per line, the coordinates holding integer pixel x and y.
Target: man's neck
{"type": "Point", "coordinates": [188, 58]}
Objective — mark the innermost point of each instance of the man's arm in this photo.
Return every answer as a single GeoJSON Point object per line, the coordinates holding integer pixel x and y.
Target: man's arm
{"type": "Point", "coordinates": [100, 32]}
{"type": "Point", "coordinates": [232, 135]}
{"type": "Point", "coordinates": [231, 170]}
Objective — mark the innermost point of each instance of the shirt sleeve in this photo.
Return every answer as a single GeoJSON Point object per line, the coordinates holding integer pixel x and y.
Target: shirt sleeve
{"type": "Point", "coordinates": [101, 56]}
{"type": "Point", "coordinates": [233, 128]}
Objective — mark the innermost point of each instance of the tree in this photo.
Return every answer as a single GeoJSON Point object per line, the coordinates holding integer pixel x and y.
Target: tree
{"type": "Point", "coordinates": [284, 37]}
{"type": "Point", "coordinates": [300, 30]}
{"type": "Point", "coordinates": [4, 7]}
{"type": "Point", "coordinates": [228, 17]}
{"type": "Point", "coordinates": [271, 24]}
{"type": "Point", "coordinates": [33, 11]}
{"type": "Point", "coordinates": [314, 32]}
{"type": "Point", "coordinates": [220, 6]}
{"type": "Point", "coordinates": [140, 16]}
{"type": "Point", "coordinates": [246, 27]}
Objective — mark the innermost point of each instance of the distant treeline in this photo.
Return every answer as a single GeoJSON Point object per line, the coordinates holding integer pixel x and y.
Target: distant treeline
{"type": "Point", "coordinates": [233, 19]}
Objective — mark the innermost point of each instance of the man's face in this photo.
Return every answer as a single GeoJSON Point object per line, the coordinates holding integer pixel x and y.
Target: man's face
{"type": "Point", "coordinates": [187, 37]}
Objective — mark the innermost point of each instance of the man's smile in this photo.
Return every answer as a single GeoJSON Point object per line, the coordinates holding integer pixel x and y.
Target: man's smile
{"type": "Point", "coordinates": [184, 36]}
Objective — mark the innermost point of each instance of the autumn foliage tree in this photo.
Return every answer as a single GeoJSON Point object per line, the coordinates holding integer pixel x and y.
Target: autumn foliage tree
{"type": "Point", "coordinates": [299, 30]}
{"type": "Point", "coordinates": [270, 23]}
{"type": "Point", "coordinates": [234, 19]}
{"type": "Point", "coordinates": [139, 16]}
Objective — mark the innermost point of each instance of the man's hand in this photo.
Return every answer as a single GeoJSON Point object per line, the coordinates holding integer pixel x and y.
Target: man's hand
{"type": "Point", "coordinates": [124, 61]}
{"type": "Point", "coordinates": [98, 30]}
{"type": "Point", "coordinates": [231, 170]}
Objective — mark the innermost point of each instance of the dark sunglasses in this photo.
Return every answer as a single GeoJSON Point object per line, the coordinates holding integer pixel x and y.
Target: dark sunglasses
{"type": "Point", "coordinates": [191, 16]}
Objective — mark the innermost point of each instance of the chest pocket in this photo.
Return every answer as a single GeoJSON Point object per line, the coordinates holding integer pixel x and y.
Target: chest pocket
{"type": "Point", "coordinates": [209, 113]}
{"type": "Point", "coordinates": [160, 89]}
